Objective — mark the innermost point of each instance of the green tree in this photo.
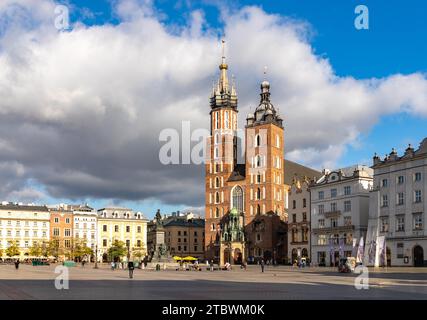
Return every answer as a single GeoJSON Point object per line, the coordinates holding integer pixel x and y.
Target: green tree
{"type": "Point", "coordinates": [80, 249]}
{"type": "Point", "coordinates": [35, 250]}
{"type": "Point", "coordinates": [138, 252]}
{"type": "Point", "coordinates": [117, 250]}
{"type": "Point", "coordinates": [13, 250]}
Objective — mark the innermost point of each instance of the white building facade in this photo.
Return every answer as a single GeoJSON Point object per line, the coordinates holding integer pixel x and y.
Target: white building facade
{"type": "Point", "coordinates": [339, 213]}
{"type": "Point", "coordinates": [398, 206]}
{"type": "Point", "coordinates": [25, 225]}
{"type": "Point", "coordinates": [85, 225]}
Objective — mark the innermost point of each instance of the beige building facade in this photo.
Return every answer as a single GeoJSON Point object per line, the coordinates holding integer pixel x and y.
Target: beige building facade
{"type": "Point", "coordinates": [23, 224]}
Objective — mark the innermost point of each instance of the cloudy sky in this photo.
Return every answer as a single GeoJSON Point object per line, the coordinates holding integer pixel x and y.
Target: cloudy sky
{"type": "Point", "coordinates": [81, 109]}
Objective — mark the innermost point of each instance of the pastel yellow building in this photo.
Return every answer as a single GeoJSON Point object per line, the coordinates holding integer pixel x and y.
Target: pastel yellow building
{"type": "Point", "coordinates": [124, 225]}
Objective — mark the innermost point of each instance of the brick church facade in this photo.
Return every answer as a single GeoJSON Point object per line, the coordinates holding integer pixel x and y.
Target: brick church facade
{"type": "Point", "coordinates": [247, 181]}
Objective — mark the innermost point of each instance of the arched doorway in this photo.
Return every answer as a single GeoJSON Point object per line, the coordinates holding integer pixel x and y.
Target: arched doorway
{"type": "Point", "coordinates": [237, 256]}
{"type": "Point", "coordinates": [388, 253]}
{"type": "Point", "coordinates": [418, 256]}
{"type": "Point", "coordinates": [226, 255]}
{"type": "Point", "coordinates": [304, 253]}
{"type": "Point", "coordinates": [294, 255]}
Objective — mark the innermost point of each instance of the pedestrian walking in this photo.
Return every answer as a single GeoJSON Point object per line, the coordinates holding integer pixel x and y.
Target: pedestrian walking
{"type": "Point", "coordinates": [262, 265]}
{"type": "Point", "coordinates": [112, 265]}
{"type": "Point", "coordinates": [131, 267]}
{"type": "Point", "coordinates": [17, 264]}
{"type": "Point", "coordinates": [212, 265]}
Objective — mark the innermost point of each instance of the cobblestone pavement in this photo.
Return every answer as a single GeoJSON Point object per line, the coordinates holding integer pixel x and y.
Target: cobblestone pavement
{"type": "Point", "coordinates": [275, 283]}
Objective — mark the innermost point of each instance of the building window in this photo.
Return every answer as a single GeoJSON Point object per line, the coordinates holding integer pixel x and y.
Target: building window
{"type": "Point", "coordinates": [216, 214]}
{"type": "Point", "coordinates": [399, 251]}
{"type": "Point", "coordinates": [347, 206]}
{"type": "Point", "coordinates": [195, 233]}
{"type": "Point", "coordinates": [333, 207]}
{"type": "Point", "coordinates": [226, 120]}
{"type": "Point", "coordinates": [321, 208]}
{"type": "Point", "coordinates": [257, 140]}
{"type": "Point", "coordinates": [417, 196]}
{"type": "Point", "coordinates": [56, 219]}
{"type": "Point", "coordinates": [304, 203]}
{"type": "Point", "coordinates": [217, 200]}
{"type": "Point", "coordinates": [400, 179]}
{"type": "Point", "coordinates": [128, 243]}
{"type": "Point", "coordinates": [334, 222]}
{"type": "Point", "coordinates": [67, 232]}
{"type": "Point", "coordinates": [417, 176]}
{"type": "Point", "coordinates": [321, 223]}
{"type": "Point", "coordinates": [258, 178]}
{"type": "Point", "coordinates": [384, 183]}
{"type": "Point", "coordinates": [418, 221]}
{"type": "Point", "coordinates": [321, 240]}
{"type": "Point", "coordinates": [294, 204]}
{"type": "Point", "coordinates": [400, 223]}
{"type": "Point", "coordinates": [104, 243]}
{"type": "Point", "coordinates": [277, 141]}
{"type": "Point", "coordinates": [67, 220]}
{"type": "Point", "coordinates": [127, 228]}
{"type": "Point", "coordinates": [138, 229]}
{"type": "Point", "coordinates": [104, 228]}
{"type": "Point", "coordinates": [304, 216]}
{"type": "Point", "coordinates": [138, 243]}
{"type": "Point", "coordinates": [321, 195]}
{"type": "Point", "coordinates": [238, 198]}
{"type": "Point", "coordinates": [56, 232]}
{"type": "Point", "coordinates": [294, 218]}
{"type": "Point", "coordinates": [195, 248]}
{"type": "Point", "coordinates": [258, 209]}
{"type": "Point", "coordinates": [384, 200]}
{"type": "Point", "coordinates": [400, 198]}
{"type": "Point", "coordinates": [333, 193]}
{"type": "Point", "coordinates": [384, 224]}
{"type": "Point", "coordinates": [347, 190]}
{"type": "Point", "coordinates": [347, 221]}
{"type": "Point", "coordinates": [67, 243]}
{"type": "Point", "coordinates": [116, 228]}
{"type": "Point", "coordinates": [348, 238]}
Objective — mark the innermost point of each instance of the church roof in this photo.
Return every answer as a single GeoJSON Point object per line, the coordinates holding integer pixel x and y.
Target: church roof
{"type": "Point", "coordinates": [293, 169]}
{"type": "Point", "coordinates": [238, 173]}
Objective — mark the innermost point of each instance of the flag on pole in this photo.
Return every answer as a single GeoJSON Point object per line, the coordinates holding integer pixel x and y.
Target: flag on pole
{"type": "Point", "coordinates": [341, 241]}
{"type": "Point", "coordinates": [382, 251]}
{"type": "Point", "coordinates": [353, 250]}
{"type": "Point", "coordinates": [359, 257]}
{"type": "Point", "coordinates": [331, 249]}
{"type": "Point", "coordinates": [372, 251]}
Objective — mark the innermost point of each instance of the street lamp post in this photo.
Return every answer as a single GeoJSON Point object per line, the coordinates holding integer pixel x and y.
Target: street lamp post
{"type": "Point", "coordinates": [96, 257]}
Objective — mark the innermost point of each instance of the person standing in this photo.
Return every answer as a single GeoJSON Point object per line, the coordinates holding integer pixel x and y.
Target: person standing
{"type": "Point", "coordinates": [212, 265]}
{"type": "Point", "coordinates": [131, 267]}
{"type": "Point", "coordinates": [262, 265]}
{"type": "Point", "coordinates": [17, 264]}
{"type": "Point", "coordinates": [112, 265]}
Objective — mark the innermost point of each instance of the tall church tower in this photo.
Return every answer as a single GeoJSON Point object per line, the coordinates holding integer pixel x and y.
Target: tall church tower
{"type": "Point", "coordinates": [221, 156]}
{"type": "Point", "coordinates": [265, 191]}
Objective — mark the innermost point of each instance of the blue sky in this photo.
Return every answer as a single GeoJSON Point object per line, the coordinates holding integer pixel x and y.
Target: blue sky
{"type": "Point", "coordinates": [394, 44]}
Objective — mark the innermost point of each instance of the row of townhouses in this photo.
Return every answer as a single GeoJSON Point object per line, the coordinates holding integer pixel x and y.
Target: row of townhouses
{"type": "Point", "coordinates": [28, 225]}
{"type": "Point", "coordinates": [329, 216]}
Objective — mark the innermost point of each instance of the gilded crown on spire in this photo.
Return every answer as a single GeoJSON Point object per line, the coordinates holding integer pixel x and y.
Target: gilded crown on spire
{"type": "Point", "coordinates": [222, 94]}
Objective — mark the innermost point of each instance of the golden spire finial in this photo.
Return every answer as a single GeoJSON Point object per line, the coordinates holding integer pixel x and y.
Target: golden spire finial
{"type": "Point", "coordinates": [223, 50]}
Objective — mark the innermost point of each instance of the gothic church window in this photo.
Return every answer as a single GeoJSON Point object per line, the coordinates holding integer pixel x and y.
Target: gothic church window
{"type": "Point", "coordinates": [238, 198]}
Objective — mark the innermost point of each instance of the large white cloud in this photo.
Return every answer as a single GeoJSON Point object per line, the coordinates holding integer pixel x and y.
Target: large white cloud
{"type": "Point", "coordinates": [81, 111]}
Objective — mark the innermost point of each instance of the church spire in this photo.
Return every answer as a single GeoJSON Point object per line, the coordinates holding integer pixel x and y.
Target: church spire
{"type": "Point", "coordinates": [223, 80]}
